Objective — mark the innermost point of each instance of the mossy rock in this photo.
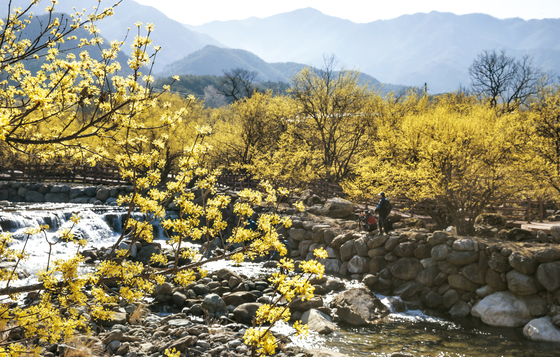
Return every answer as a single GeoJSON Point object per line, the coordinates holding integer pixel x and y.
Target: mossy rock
{"type": "Point", "coordinates": [491, 219]}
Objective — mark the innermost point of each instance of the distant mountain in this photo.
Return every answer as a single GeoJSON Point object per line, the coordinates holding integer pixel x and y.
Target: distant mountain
{"type": "Point", "coordinates": [175, 40]}
{"type": "Point", "coordinates": [213, 60]}
{"type": "Point", "coordinates": [436, 48]}
{"type": "Point", "coordinates": [36, 26]}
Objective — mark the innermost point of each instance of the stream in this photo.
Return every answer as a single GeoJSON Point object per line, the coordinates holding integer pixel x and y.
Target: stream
{"type": "Point", "coordinates": [416, 332]}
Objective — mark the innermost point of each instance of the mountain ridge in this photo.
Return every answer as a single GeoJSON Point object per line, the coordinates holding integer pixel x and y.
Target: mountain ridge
{"type": "Point", "coordinates": [435, 47]}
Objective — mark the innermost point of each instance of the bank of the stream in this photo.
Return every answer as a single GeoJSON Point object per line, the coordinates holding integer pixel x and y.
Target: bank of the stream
{"type": "Point", "coordinates": [446, 277]}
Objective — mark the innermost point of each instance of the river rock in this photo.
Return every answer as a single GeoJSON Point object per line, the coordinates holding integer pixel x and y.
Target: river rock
{"type": "Point", "coordinates": [119, 318]}
{"type": "Point", "coordinates": [520, 283]}
{"type": "Point", "coordinates": [331, 265]}
{"type": "Point", "coordinates": [446, 267]}
{"type": "Point", "coordinates": [377, 264]}
{"type": "Point", "coordinates": [547, 255]}
{"type": "Point", "coordinates": [494, 280]}
{"type": "Point", "coordinates": [457, 281]}
{"type": "Point", "coordinates": [337, 208]}
{"type": "Point", "coordinates": [498, 263]}
{"type": "Point", "coordinates": [474, 273]}
{"type": "Point", "coordinates": [214, 306]}
{"type": "Point", "coordinates": [318, 321]}
{"type": "Point", "coordinates": [555, 233]}
{"type": "Point", "coordinates": [406, 268]}
{"type": "Point", "coordinates": [318, 236]}
{"type": "Point", "coordinates": [57, 197]}
{"type": "Point", "coordinates": [297, 233]}
{"type": "Point", "coordinates": [391, 243]}
{"type": "Point", "coordinates": [548, 275]}
{"type": "Point", "coordinates": [378, 241]}
{"type": "Point", "coordinates": [34, 196]}
{"type": "Point", "coordinates": [359, 307]}
{"type": "Point", "coordinates": [361, 247]}
{"type": "Point", "coordinates": [226, 274]}
{"type": "Point", "coordinates": [441, 251]}
{"type": "Point", "coordinates": [465, 244]}
{"type": "Point", "coordinates": [347, 251]}
{"type": "Point", "coordinates": [438, 237]}
{"type": "Point", "coordinates": [462, 257]}
{"type": "Point", "coordinates": [428, 276]}
{"type": "Point", "coordinates": [541, 329]}
{"type": "Point", "coordinates": [358, 265]}
{"type": "Point", "coordinates": [304, 305]}
{"type": "Point", "coordinates": [522, 263]}
{"type": "Point", "coordinates": [182, 343]}
{"type": "Point", "coordinates": [450, 298]}
{"type": "Point", "coordinates": [304, 247]}
{"type": "Point", "coordinates": [239, 297]}
{"type": "Point", "coordinates": [423, 251]}
{"type": "Point", "coordinates": [407, 290]}
{"type": "Point", "coordinates": [431, 299]}
{"type": "Point", "coordinates": [506, 309]}
{"type": "Point", "coordinates": [405, 249]}
{"type": "Point", "coordinates": [145, 254]}
{"type": "Point", "coordinates": [245, 313]}
{"type": "Point", "coordinates": [460, 309]}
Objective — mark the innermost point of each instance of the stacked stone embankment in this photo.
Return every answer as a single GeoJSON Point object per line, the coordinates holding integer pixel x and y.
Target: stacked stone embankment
{"type": "Point", "coordinates": [60, 193]}
{"type": "Point", "coordinates": [504, 283]}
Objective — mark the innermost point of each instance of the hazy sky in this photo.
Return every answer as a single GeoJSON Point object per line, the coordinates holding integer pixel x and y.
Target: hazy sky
{"type": "Point", "coordinates": [202, 11]}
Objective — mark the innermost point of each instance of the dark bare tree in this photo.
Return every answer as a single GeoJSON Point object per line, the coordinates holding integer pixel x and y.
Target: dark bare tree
{"type": "Point", "coordinates": [238, 83]}
{"type": "Point", "coordinates": [503, 79]}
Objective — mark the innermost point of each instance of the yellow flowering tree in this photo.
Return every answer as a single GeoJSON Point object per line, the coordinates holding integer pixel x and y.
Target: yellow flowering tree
{"type": "Point", "coordinates": [336, 114]}
{"type": "Point", "coordinates": [70, 108]}
{"type": "Point", "coordinates": [458, 153]}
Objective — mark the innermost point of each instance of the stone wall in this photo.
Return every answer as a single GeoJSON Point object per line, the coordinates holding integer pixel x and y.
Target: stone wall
{"type": "Point", "coordinates": [504, 283]}
{"type": "Point", "coordinates": [60, 193]}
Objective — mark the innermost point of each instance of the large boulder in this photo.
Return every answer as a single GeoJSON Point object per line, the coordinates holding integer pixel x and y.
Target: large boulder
{"type": "Point", "coordinates": [214, 306]}
{"type": "Point", "coordinates": [541, 330]}
{"type": "Point", "coordinates": [506, 309]}
{"type": "Point", "coordinates": [318, 321]}
{"type": "Point", "coordinates": [337, 208]}
{"type": "Point", "coordinates": [359, 307]}
{"type": "Point", "coordinates": [245, 313]}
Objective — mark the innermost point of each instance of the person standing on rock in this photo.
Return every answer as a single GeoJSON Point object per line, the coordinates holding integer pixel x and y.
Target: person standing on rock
{"type": "Point", "coordinates": [383, 208]}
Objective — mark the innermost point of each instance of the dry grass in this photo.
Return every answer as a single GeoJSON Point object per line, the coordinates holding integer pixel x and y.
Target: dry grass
{"type": "Point", "coordinates": [137, 316]}
{"type": "Point", "coordinates": [82, 347]}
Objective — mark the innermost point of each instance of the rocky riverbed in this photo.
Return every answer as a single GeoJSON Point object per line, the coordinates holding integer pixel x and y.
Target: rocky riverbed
{"type": "Point", "coordinates": [504, 278]}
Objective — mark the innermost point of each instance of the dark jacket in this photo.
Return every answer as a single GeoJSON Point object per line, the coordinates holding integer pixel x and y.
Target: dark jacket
{"type": "Point", "coordinates": [382, 206]}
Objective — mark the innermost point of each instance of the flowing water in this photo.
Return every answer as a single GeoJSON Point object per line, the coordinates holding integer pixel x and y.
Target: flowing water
{"type": "Point", "coordinates": [412, 331]}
